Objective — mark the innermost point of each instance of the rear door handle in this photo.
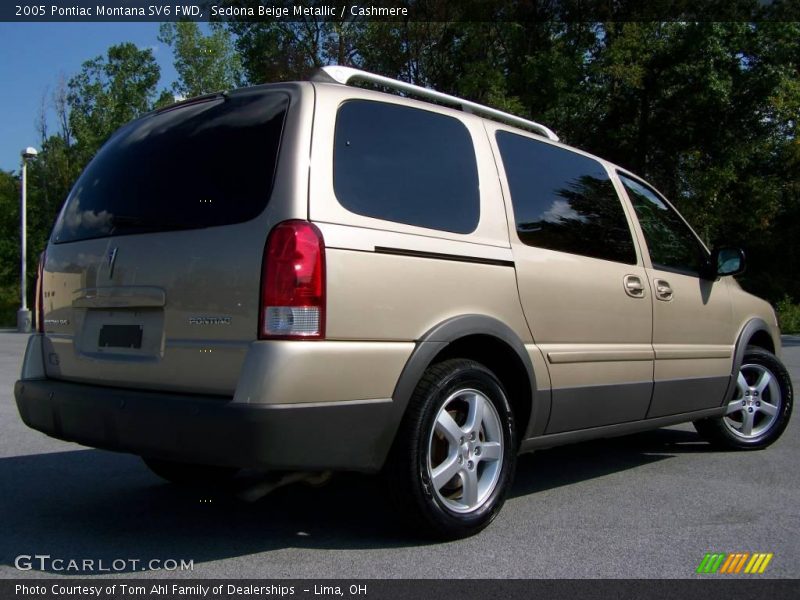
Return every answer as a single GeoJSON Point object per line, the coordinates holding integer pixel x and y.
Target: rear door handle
{"type": "Point", "coordinates": [663, 290]}
{"type": "Point", "coordinates": [634, 286]}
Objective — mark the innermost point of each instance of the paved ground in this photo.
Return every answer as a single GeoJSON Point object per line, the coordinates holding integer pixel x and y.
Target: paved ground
{"type": "Point", "coordinates": [649, 505]}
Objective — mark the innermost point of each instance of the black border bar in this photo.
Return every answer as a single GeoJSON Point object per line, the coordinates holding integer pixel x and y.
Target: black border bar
{"type": "Point", "coordinates": [713, 587]}
{"type": "Point", "coordinates": [489, 11]}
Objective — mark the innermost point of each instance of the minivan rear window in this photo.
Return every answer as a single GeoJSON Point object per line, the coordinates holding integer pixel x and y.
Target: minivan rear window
{"type": "Point", "coordinates": [207, 163]}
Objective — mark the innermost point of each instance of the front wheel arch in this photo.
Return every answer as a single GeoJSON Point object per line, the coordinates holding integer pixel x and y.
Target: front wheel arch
{"type": "Point", "coordinates": [758, 410]}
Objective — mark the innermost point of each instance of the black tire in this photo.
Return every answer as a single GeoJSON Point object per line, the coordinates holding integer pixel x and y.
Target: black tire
{"type": "Point", "coordinates": [765, 426]}
{"type": "Point", "coordinates": [448, 512]}
{"type": "Point", "coordinates": [189, 474]}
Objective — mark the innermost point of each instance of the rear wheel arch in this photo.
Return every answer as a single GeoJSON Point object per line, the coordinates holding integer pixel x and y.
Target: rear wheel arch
{"type": "Point", "coordinates": [485, 340]}
{"type": "Point", "coordinates": [453, 460]}
{"type": "Point", "coordinates": [502, 360]}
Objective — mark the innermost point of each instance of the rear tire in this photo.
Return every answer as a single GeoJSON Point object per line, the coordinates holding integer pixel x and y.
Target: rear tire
{"type": "Point", "coordinates": [189, 474]}
{"type": "Point", "coordinates": [760, 408]}
{"type": "Point", "coordinates": [453, 459]}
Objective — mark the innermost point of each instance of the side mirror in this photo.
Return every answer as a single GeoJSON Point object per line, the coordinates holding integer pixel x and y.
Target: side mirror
{"type": "Point", "coordinates": [727, 261]}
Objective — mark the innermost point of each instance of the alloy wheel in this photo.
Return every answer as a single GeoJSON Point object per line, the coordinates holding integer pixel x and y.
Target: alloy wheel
{"type": "Point", "coordinates": [756, 404]}
{"type": "Point", "coordinates": [465, 451]}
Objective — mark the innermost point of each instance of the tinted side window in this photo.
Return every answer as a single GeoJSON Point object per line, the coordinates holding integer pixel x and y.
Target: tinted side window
{"type": "Point", "coordinates": [671, 244]}
{"type": "Point", "coordinates": [564, 201]}
{"type": "Point", "coordinates": [405, 165]}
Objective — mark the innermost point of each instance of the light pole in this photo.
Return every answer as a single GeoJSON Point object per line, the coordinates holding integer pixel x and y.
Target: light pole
{"type": "Point", "coordinates": [23, 314]}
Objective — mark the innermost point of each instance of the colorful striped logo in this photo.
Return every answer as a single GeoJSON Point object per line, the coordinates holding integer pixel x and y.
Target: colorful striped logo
{"type": "Point", "coordinates": [736, 562]}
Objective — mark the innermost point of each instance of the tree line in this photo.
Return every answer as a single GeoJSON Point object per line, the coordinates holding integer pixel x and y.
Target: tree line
{"type": "Point", "coordinates": [706, 111]}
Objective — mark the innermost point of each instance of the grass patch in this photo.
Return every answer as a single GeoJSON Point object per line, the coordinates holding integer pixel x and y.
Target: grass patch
{"type": "Point", "coordinates": [9, 305]}
{"type": "Point", "coordinates": [788, 316]}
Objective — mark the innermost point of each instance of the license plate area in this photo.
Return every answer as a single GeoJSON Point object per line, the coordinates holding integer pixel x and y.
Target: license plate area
{"type": "Point", "coordinates": [125, 333]}
{"type": "Point", "coordinates": [120, 336]}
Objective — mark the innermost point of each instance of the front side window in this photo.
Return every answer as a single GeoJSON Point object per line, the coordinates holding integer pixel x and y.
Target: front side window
{"type": "Point", "coordinates": [672, 245]}
{"type": "Point", "coordinates": [405, 165]}
{"type": "Point", "coordinates": [564, 201]}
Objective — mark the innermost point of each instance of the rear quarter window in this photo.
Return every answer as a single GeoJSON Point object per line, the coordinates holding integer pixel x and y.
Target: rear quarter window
{"type": "Point", "coordinates": [405, 165]}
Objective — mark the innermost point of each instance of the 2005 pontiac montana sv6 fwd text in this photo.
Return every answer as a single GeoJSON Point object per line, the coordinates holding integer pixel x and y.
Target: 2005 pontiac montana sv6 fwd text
{"type": "Point", "coordinates": [315, 276]}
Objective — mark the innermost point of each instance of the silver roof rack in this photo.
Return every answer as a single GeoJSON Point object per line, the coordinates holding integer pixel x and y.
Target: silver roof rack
{"type": "Point", "coordinates": [345, 75]}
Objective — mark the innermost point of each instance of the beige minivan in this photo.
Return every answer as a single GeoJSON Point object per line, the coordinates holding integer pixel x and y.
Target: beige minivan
{"type": "Point", "coordinates": [317, 276]}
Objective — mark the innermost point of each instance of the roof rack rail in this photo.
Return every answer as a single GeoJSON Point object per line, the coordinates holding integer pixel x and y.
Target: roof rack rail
{"type": "Point", "coordinates": [345, 75]}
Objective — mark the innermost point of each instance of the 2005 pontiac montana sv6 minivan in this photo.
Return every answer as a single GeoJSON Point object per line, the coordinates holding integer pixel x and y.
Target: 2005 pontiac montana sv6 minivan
{"type": "Point", "coordinates": [315, 276]}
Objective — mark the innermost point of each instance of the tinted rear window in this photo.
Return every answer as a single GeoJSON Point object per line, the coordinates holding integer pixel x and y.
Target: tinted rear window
{"type": "Point", "coordinates": [406, 165]}
{"type": "Point", "coordinates": [564, 201]}
{"type": "Point", "coordinates": [203, 164]}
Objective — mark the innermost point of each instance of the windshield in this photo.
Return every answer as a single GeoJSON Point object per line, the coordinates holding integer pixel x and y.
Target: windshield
{"type": "Point", "coordinates": [202, 164]}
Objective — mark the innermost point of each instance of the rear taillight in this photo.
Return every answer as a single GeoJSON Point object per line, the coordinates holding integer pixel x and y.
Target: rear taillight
{"type": "Point", "coordinates": [40, 295]}
{"type": "Point", "coordinates": [293, 283]}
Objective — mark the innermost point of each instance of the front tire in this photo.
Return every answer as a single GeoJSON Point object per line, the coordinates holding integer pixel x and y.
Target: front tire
{"type": "Point", "coordinates": [453, 460]}
{"type": "Point", "coordinates": [759, 411]}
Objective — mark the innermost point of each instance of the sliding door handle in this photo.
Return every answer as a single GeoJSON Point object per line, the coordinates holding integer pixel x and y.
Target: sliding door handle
{"type": "Point", "coordinates": [663, 290]}
{"type": "Point", "coordinates": [633, 286]}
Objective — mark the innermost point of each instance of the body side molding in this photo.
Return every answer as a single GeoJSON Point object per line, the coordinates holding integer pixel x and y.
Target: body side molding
{"type": "Point", "coordinates": [620, 429]}
{"type": "Point", "coordinates": [440, 256]}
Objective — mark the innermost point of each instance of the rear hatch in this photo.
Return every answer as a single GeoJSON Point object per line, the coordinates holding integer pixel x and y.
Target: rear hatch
{"type": "Point", "coordinates": [151, 278]}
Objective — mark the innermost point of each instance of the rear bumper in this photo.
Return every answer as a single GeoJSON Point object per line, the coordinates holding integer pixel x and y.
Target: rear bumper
{"type": "Point", "coordinates": [219, 431]}
{"type": "Point", "coordinates": [270, 422]}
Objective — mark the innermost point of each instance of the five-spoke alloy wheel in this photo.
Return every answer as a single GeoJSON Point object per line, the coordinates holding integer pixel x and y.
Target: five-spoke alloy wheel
{"type": "Point", "coordinates": [756, 404]}
{"type": "Point", "coordinates": [465, 450]}
{"type": "Point", "coordinates": [454, 456]}
{"type": "Point", "coordinates": [760, 408]}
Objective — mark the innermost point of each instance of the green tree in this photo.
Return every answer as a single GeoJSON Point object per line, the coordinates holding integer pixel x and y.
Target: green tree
{"type": "Point", "coordinates": [708, 112]}
{"type": "Point", "coordinates": [58, 165]}
{"type": "Point", "coordinates": [292, 50]}
{"type": "Point", "coordinates": [205, 63]}
{"type": "Point", "coordinates": [108, 92]}
{"type": "Point", "coordinates": [9, 247]}
{"type": "Point", "coordinates": [9, 225]}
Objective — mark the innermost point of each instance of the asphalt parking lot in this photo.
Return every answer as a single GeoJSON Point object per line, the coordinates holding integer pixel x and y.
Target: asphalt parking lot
{"type": "Point", "coordinates": [644, 506]}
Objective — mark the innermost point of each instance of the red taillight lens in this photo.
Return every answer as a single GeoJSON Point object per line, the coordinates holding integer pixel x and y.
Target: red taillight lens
{"type": "Point", "coordinates": [293, 283]}
{"type": "Point", "coordinates": [40, 295]}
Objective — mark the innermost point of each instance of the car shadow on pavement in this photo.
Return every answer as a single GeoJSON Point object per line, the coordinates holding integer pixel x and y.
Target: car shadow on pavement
{"type": "Point", "coordinates": [91, 504]}
{"type": "Point", "coordinates": [566, 465]}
